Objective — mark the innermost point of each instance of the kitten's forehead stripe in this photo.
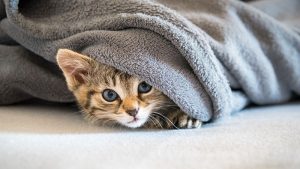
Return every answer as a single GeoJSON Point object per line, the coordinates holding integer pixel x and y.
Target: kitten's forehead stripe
{"type": "Point", "coordinates": [114, 80]}
{"type": "Point", "coordinates": [124, 83]}
{"type": "Point", "coordinates": [106, 81]}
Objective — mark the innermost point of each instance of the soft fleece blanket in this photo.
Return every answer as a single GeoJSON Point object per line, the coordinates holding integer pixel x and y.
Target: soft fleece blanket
{"type": "Point", "coordinates": [210, 57]}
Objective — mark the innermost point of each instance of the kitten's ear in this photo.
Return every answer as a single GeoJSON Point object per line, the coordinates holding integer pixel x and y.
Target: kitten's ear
{"type": "Point", "coordinates": [75, 66]}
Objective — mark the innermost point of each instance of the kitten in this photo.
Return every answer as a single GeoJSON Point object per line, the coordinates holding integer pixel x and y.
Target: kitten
{"type": "Point", "coordinates": [109, 96]}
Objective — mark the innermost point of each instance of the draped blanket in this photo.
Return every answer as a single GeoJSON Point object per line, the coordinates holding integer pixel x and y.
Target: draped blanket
{"type": "Point", "coordinates": [211, 57]}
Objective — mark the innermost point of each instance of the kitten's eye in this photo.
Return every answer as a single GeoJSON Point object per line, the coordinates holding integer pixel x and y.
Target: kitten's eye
{"type": "Point", "coordinates": [109, 95]}
{"type": "Point", "coordinates": [144, 87]}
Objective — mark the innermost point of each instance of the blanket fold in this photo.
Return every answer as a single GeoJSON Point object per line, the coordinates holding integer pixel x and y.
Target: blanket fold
{"type": "Point", "coordinates": [210, 57]}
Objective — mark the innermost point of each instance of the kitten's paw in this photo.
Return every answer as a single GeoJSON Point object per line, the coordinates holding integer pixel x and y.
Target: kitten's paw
{"type": "Point", "coordinates": [186, 122]}
{"type": "Point", "coordinates": [173, 120]}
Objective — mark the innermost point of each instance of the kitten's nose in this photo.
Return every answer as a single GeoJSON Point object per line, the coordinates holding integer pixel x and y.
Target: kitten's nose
{"type": "Point", "coordinates": [132, 112]}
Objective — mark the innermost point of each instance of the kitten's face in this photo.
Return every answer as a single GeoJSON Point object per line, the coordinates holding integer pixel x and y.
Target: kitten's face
{"type": "Point", "coordinates": [108, 95]}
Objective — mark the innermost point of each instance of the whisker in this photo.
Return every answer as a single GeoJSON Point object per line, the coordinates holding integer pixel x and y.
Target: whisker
{"type": "Point", "coordinates": [157, 121]}
{"type": "Point", "coordinates": [150, 118]}
{"type": "Point", "coordinates": [166, 118]}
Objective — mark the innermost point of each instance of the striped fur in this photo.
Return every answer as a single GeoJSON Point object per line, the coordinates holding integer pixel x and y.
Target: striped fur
{"type": "Point", "coordinates": [87, 79]}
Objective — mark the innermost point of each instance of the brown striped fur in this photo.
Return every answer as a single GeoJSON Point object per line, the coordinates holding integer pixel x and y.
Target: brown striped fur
{"type": "Point", "coordinates": [87, 79]}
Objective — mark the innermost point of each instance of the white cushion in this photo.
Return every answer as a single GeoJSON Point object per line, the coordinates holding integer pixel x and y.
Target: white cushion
{"type": "Point", "coordinates": [34, 136]}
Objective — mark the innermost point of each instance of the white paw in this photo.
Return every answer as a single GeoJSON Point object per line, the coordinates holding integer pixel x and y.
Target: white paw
{"type": "Point", "coordinates": [184, 121]}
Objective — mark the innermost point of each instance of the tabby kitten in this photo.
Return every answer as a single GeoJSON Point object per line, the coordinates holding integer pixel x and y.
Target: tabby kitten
{"type": "Point", "coordinates": [107, 95]}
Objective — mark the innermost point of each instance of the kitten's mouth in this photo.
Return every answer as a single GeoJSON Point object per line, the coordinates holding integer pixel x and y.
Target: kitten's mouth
{"type": "Point", "coordinates": [134, 120]}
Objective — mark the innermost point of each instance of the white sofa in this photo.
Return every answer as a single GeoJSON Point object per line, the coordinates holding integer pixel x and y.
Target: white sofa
{"type": "Point", "coordinates": [51, 136]}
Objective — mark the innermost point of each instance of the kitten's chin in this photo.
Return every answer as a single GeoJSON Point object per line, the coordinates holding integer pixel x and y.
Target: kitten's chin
{"type": "Point", "coordinates": [134, 123]}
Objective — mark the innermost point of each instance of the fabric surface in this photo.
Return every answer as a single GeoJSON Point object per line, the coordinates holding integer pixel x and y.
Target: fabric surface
{"type": "Point", "coordinates": [210, 57]}
{"type": "Point", "coordinates": [35, 136]}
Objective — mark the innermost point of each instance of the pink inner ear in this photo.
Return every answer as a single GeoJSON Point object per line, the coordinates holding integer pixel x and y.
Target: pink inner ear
{"type": "Point", "coordinates": [79, 76]}
{"type": "Point", "coordinates": [77, 73]}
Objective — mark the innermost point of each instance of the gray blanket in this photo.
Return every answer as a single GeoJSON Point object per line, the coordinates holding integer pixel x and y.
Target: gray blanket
{"type": "Point", "coordinates": [212, 57]}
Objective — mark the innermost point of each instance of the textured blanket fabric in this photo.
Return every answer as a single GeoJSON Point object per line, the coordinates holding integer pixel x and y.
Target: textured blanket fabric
{"type": "Point", "coordinates": [210, 57]}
